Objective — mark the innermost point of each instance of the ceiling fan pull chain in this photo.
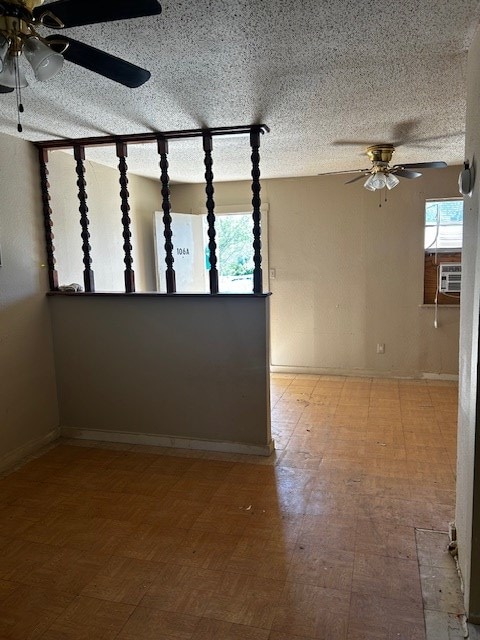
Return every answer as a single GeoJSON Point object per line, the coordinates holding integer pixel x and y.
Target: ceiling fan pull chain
{"type": "Point", "coordinates": [18, 94]}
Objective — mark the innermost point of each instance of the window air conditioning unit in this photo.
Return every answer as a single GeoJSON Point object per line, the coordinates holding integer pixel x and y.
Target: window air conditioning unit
{"type": "Point", "coordinates": [450, 277]}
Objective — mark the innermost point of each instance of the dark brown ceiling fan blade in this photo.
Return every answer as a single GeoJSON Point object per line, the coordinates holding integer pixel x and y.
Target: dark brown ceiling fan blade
{"type": "Point", "coordinates": [99, 62]}
{"type": "Point", "coordinates": [423, 165]}
{"type": "Point", "coordinates": [339, 173]}
{"type": "Point", "coordinates": [356, 178]}
{"type": "Point", "coordinates": [355, 143]}
{"type": "Point", "coordinates": [4, 89]}
{"type": "Point", "coordinates": [75, 13]}
{"type": "Point", "coordinates": [405, 173]}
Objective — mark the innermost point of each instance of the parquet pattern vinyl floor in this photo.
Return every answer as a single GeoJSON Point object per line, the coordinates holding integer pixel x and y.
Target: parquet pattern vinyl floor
{"type": "Point", "coordinates": [123, 542]}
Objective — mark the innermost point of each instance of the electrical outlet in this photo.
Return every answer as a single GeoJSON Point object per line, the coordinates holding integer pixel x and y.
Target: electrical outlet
{"type": "Point", "coordinates": [381, 347]}
{"type": "Point", "coordinates": [273, 274]}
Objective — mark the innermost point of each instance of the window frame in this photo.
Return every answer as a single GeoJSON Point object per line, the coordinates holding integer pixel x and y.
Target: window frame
{"type": "Point", "coordinates": [434, 256]}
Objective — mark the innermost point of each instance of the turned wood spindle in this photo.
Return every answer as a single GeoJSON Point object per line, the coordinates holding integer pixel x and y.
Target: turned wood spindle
{"type": "Point", "coordinates": [125, 208]}
{"type": "Point", "coordinates": [256, 202]}
{"type": "Point", "coordinates": [47, 220]}
{"type": "Point", "coordinates": [88, 278]}
{"type": "Point", "coordinates": [209, 190]}
{"type": "Point", "coordinates": [167, 218]}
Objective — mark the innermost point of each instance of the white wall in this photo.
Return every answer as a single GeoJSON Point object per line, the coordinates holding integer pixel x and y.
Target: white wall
{"type": "Point", "coordinates": [349, 274]}
{"type": "Point", "coordinates": [28, 405]}
{"type": "Point", "coordinates": [106, 228]}
{"type": "Point", "coordinates": [468, 478]}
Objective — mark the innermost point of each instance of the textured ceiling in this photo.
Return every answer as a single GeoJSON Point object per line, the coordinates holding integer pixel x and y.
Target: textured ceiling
{"type": "Point", "coordinates": [317, 73]}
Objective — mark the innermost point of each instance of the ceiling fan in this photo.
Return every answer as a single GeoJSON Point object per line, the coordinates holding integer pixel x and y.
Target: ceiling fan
{"type": "Point", "coordinates": [381, 174]}
{"type": "Point", "coordinates": [20, 19]}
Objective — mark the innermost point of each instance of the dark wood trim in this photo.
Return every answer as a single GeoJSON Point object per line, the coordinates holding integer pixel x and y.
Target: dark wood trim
{"type": "Point", "coordinates": [256, 203]}
{"type": "Point", "coordinates": [154, 136]}
{"type": "Point", "coordinates": [88, 276]}
{"type": "Point", "coordinates": [209, 190]}
{"type": "Point", "coordinates": [167, 218]}
{"type": "Point", "coordinates": [47, 219]}
{"type": "Point", "coordinates": [153, 294]}
{"type": "Point", "coordinates": [129, 273]}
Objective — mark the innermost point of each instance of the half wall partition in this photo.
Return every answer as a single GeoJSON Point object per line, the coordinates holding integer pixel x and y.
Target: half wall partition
{"type": "Point", "coordinates": [172, 369]}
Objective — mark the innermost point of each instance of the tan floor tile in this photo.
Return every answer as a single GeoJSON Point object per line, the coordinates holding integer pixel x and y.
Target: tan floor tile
{"type": "Point", "coordinates": [411, 513]}
{"type": "Point", "coordinates": [10, 489]}
{"type": "Point", "coordinates": [389, 487]}
{"type": "Point", "coordinates": [245, 600]}
{"type": "Point", "coordinates": [172, 465]}
{"type": "Point", "coordinates": [204, 553]}
{"type": "Point", "coordinates": [153, 624]}
{"type": "Point", "coordinates": [260, 562]}
{"type": "Point", "coordinates": [332, 504]}
{"type": "Point", "coordinates": [299, 613]}
{"type": "Point", "coordinates": [182, 589]}
{"type": "Point", "coordinates": [375, 617]}
{"type": "Point", "coordinates": [87, 534]}
{"type": "Point", "coordinates": [20, 558]}
{"type": "Point", "coordinates": [89, 618]}
{"type": "Point", "coordinates": [322, 566]}
{"type": "Point", "coordinates": [123, 580]}
{"type": "Point", "coordinates": [387, 577]}
{"type": "Point", "coordinates": [40, 498]}
{"type": "Point", "coordinates": [278, 635]}
{"type": "Point", "coordinates": [300, 460]}
{"type": "Point", "coordinates": [68, 570]}
{"type": "Point", "coordinates": [380, 537]}
{"type": "Point", "coordinates": [209, 629]}
{"type": "Point", "coordinates": [149, 542]}
{"type": "Point", "coordinates": [6, 589]}
{"type": "Point", "coordinates": [29, 611]}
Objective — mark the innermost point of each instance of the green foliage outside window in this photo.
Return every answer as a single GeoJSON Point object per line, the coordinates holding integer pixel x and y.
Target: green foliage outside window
{"type": "Point", "coordinates": [234, 242]}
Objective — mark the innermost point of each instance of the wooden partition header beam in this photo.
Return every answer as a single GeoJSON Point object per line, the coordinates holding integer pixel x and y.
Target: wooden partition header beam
{"type": "Point", "coordinates": [140, 138]}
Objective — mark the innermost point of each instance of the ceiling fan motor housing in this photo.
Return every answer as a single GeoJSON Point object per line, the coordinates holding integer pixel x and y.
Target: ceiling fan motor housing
{"type": "Point", "coordinates": [380, 153]}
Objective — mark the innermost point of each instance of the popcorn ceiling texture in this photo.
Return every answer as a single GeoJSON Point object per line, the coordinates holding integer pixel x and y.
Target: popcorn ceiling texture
{"type": "Point", "coordinates": [315, 72]}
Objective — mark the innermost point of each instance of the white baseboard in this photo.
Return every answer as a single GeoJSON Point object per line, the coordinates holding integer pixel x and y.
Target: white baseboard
{"type": "Point", "coordinates": [361, 373]}
{"type": "Point", "coordinates": [10, 459]}
{"type": "Point", "coordinates": [440, 376]}
{"type": "Point", "coordinates": [168, 441]}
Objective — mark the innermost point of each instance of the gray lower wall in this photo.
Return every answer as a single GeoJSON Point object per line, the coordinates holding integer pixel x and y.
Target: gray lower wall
{"type": "Point", "coordinates": [191, 367]}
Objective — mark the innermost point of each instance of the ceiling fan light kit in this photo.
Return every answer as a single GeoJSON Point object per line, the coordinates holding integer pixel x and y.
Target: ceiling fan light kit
{"type": "Point", "coordinates": [11, 75]}
{"type": "Point", "coordinates": [45, 62]}
{"type": "Point", "coordinates": [19, 20]}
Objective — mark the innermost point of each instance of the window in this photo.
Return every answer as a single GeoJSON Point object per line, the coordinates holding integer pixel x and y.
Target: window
{"type": "Point", "coordinates": [443, 225]}
{"type": "Point", "coordinates": [234, 250]}
{"type": "Point", "coordinates": [442, 244]}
